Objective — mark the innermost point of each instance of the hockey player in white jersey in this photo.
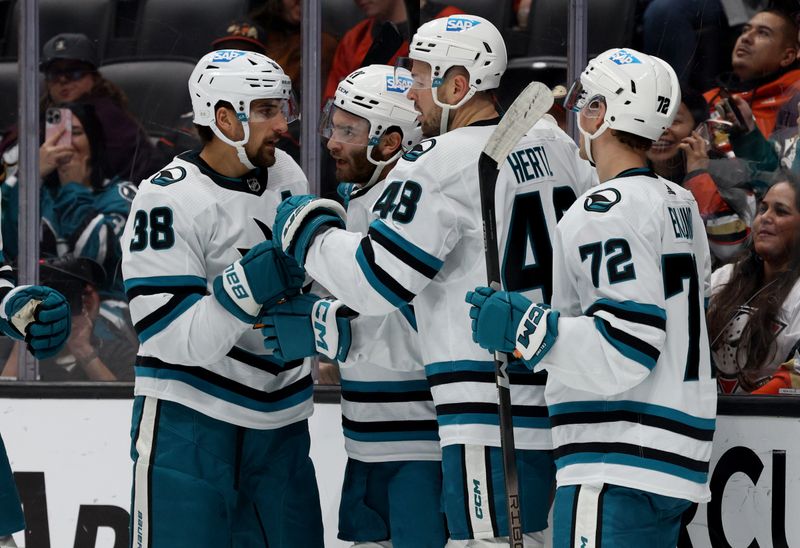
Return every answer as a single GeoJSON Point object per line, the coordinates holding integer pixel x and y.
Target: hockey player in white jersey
{"type": "Point", "coordinates": [630, 390]}
{"type": "Point", "coordinates": [426, 246]}
{"type": "Point", "coordinates": [393, 480]}
{"type": "Point", "coordinates": [220, 436]}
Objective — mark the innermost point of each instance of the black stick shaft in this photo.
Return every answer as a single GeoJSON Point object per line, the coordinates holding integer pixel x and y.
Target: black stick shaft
{"type": "Point", "coordinates": [487, 173]}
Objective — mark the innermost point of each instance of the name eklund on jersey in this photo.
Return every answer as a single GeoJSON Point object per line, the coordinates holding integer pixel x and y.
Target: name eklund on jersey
{"type": "Point", "coordinates": [681, 218]}
{"type": "Point", "coordinates": [530, 163]}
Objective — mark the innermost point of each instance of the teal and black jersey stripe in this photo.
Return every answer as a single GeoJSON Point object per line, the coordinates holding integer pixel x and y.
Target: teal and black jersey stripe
{"type": "Point", "coordinates": [184, 291]}
{"type": "Point", "coordinates": [651, 315]}
{"type": "Point", "coordinates": [380, 280]}
{"type": "Point", "coordinates": [393, 430]}
{"type": "Point", "coordinates": [227, 389]}
{"type": "Point", "coordinates": [408, 253]}
{"type": "Point", "coordinates": [632, 455]}
{"type": "Point", "coordinates": [655, 416]}
{"type": "Point", "coordinates": [385, 392]}
{"type": "Point", "coordinates": [267, 364]}
{"type": "Point", "coordinates": [629, 345]}
{"type": "Point", "coordinates": [525, 416]}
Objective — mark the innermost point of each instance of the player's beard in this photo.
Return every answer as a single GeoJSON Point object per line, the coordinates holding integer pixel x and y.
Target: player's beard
{"type": "Point", "coordinates": [431, 122]}
{"type": "Point", "coordinates": [264, 156]}
{"type": "Point", "coordinates": [357, 169]}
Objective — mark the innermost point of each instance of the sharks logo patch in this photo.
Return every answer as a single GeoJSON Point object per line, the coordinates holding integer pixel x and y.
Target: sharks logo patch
{"type": "Point", "coordinates": [602, 200]}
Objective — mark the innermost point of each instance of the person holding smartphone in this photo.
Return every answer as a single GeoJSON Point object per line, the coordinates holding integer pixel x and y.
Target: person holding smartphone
{"type": "Point", "coordinates": [69, 63]}
{"type": "Point", "coordinates": [84, 207]}
{"type": "Point", "coordinates": [682, 155]}
{"type": "Point", "coordinates": [765, 67]}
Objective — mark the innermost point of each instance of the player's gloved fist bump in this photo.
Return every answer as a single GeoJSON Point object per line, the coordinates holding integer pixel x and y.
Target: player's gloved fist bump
{"type": "Point", "coordinates": [495, 317]}
{"type": "Point", "coordinates": [261, 278]}
{"type": "Point", "coordinates": [300, 218]}
{"type": "Point", "coordinates": [38, 315]}
{"type": "Point", "coordinates": [306, 325]}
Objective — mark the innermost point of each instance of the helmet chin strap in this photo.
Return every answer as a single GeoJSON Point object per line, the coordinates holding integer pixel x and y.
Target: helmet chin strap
{"type": "Point", "coordinates": [444, 119]}
{"type": "Point", "coordinates": [237, 145]}
{"type": "Point", "coordinates": [379, 165]}
{"type": "Point", "coordinates": [588, 138]}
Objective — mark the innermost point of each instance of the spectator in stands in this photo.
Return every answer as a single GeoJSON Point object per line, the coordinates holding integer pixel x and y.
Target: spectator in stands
{"type": "Point", "coordinates": [683, 156]}
{"type": "Point", "coordinates": [765, 67]}
{"type": "Point", "coordinates": [754, 311]}
{"type": "Point", "coordinates": [84, 206]}
{"type": "Point", "coordinates": [282, 41]}
{"type": "Point", "coordinates": [434, 10]}
{"type": "Point", "coordinates": [102, 345]}
{"type": "Point", "coordinates": [69, 63]}
{"type": "Point", "coordinates": [379, 39]}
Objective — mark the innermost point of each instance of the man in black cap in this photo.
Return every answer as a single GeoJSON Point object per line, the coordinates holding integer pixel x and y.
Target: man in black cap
{"type": "Point", "coordinates": [69, 63]}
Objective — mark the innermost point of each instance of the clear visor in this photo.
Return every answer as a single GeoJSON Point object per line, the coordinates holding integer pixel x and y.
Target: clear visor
{"type": "Point", "coordinates": [405, 65]}
{"type": "Point", "coordinates": [579, 98]}
{"type": "Point", "coordinates": [266, 109]}
{"type": "Point", "coordinates": [338, 125]}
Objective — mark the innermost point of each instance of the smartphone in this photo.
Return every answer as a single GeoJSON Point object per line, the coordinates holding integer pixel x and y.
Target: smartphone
{"type": "Point", "coordinates": [56, 119]}
{"type": "Point", "coordinates": [730, 104]}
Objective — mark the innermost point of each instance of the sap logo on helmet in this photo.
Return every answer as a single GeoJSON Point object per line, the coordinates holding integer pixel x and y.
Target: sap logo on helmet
{"type": "Point", "coordinates": [225, 55]}
{"type": "Point", "coordinates": [457, 24]}
{"type": "Point", "coordinates": [623, 57]}
{"type": "Point", "coordinates": [398, 84]}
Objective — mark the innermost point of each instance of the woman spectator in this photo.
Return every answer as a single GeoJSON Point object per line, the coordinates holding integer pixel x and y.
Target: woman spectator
{"type": "Point", "coordinates": [726, 203]}
{"type": "Point", "coordinates": [754, 311]}
{"type": "Point", "coordinates": [69, 63]}
{"type": "Point", "coordinates": [83, 206]}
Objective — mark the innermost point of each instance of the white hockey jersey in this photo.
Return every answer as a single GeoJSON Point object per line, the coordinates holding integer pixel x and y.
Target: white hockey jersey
{"type": "Point", "coordinates": [427, 247]}
{"type": "Point", "coordinates": [387, 408]}
{"type": "Point", "coordinates": [630, 391]}
{"type": "Point", "coordinates": [187, 224]}
{"type": "Point", "coordinates": [728, 357]}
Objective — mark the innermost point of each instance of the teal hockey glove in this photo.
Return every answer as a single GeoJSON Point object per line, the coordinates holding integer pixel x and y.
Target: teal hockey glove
{"type": "Point", "coordinates": [259, 279]}
{"type": "Point", "coordinates": [508, 322]}
{"type": "Point", "coordinates": [38, 315]}
{"type": "Point", "coordinates": [306, 325]}
{"type": "Point", "coordinates": [300, 218]}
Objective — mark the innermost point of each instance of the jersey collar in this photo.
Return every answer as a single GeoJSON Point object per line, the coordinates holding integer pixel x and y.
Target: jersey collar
{"type": "Point", "coordinates": [252, 182]}
{"type": "Point", "coordinates": [637, 171]}
{"type": "Point", "coordinates": [490, 122]}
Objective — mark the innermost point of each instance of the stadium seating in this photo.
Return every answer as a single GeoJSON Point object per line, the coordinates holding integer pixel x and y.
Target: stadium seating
{"type": "Point", "coordinates": [339, 15]}
{"type": "Point", "coordinates": [90, 17]}
{"type": "Point", "coordinates": [8, 94]}
{"type": "Point", "coordinates": [498, 12]}
{"type": "Point", "coordinates": [547, 29]}
{"type": "Point", "coordinates": [181, 29]}
{"type": "Point", "coordinates": [157, 91]}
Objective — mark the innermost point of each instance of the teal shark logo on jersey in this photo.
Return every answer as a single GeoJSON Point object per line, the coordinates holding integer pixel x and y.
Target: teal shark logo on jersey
{"type": "Point", "coordinates": [584, 542]}
{"type": "Point", "coordinates": [168, 176]}
{"type": "Point", "coordinates": [423, 147]}
{"type": "Point", "coordinates": [602, 200]}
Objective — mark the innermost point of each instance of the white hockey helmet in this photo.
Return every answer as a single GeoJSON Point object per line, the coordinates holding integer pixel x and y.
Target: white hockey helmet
{"type": "Point", "coordinates": [468, 41]}
{"type": "Point", "coordinates": [641, 93]}
{"type": "Point", "coordinates": [237, 77]}
{"type": "Point", "coordinates": [376, 93]}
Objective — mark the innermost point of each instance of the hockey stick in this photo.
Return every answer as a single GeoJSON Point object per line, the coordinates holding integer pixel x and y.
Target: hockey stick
{"type": "Point", "coordinates": [534, 101]}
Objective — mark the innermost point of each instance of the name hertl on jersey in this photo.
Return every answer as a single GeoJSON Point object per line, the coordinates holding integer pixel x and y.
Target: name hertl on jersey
{"type": "Point", "coordinates": [187, 225]}
{"type": "Point", "coordinates": [427, 247]}
{"type": "Point", "coordinates": [630, 390]}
